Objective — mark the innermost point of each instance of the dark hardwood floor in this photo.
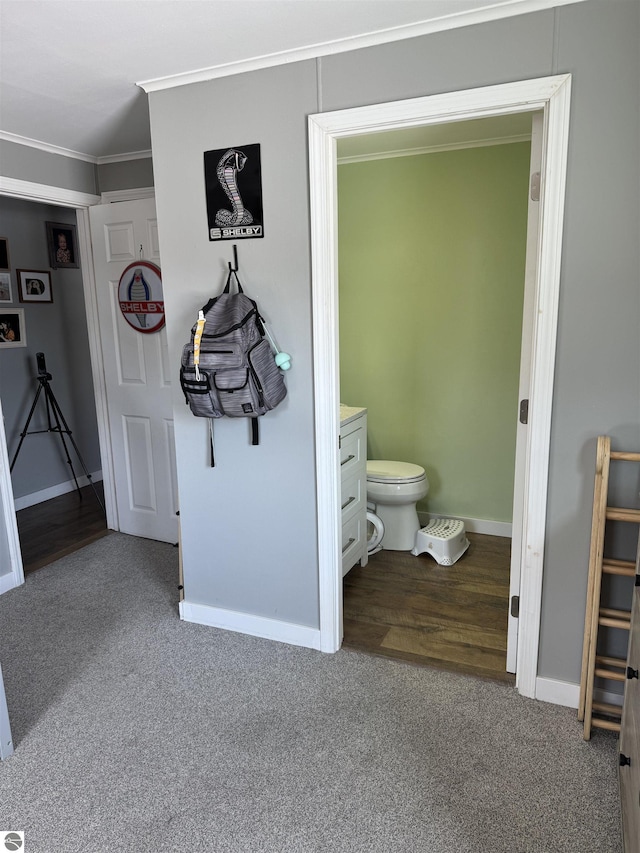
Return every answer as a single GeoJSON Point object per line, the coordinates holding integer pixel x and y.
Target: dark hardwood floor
{"type": "Point", "coordinates": [451, 617]}
{"type": "Point", "coordinates": [59, 526]}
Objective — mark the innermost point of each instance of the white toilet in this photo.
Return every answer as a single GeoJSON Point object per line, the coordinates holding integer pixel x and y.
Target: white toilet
{"type": "Point", "coordinates": [394, 488]}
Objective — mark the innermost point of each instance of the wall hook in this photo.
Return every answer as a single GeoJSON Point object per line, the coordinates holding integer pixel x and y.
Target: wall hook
{"type": "Point", "coordinates": [234, 268]}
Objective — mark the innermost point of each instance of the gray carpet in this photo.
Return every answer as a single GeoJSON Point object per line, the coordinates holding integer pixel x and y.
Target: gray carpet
{"type": "Point", "coordinates": [137, 732]}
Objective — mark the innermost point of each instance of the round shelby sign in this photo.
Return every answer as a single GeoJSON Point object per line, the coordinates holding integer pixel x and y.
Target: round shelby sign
{"type": "Point", "coordinates": [140, 297]}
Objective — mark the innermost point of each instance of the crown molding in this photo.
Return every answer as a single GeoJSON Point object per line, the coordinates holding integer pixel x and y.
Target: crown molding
{"type": "Point", "coordinates": [123, 158]}
{"type": "Point", "coordinates": [74, 155]}
{"type": "Point", "coordinates": [491, 12]}
{"type": "Point", "coordinates": [112, 196]}
{"type": "Point", "coordinates": [433, 149]}
{"type": "Point", "coordinates": [45, 146]}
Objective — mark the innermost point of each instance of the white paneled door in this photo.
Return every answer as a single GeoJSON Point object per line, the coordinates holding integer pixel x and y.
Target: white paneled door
{"type": "Point", "coordinates": [137, 377]}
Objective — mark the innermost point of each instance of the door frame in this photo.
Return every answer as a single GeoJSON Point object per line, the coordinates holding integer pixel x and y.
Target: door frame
{"type": "Point", "coordinates": [15, 577]}
{"type": "Point", "coordinates": [81, 202]}
{"type": "Point", "coordinates": [551, 95]}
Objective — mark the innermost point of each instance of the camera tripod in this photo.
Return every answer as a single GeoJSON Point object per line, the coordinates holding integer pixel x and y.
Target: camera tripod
{"type": "Point", "coordinates": [55, 424]}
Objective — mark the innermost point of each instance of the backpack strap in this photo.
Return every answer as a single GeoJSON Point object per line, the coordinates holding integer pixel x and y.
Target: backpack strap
{"type": "Point", "coordinates": [255, 431]}
{"type": "Point", "coordinates": [210, 431]}
{"type": "Point", "coordinates": [227, 286]}
{"type": "Point", "coordinates": [227, 289]}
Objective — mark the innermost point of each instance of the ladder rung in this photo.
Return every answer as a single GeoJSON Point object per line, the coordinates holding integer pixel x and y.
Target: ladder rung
{"type": "Point", "coordinates": [605, 724]}
{"type": "Point", "coordinates": [603, 715]}
{"type": "Point", "coordinates": [614, 618]}
{"type": "Point", "coordinates": [607, 709]}
{"type": "Point", "coordinates": [617, 513]}
{"type": "Point", "coordinates": [625, 455]}
{"type": "Point", "coordinates": [616, 663]}
{"type": "Point", "coordinates": [611, 674]}
{"type": "Point", "coordinates": [619, 567]}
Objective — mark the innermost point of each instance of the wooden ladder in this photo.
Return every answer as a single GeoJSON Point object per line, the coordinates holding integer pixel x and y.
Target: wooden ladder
{"type": "Point", "coordinates": [601, 714]}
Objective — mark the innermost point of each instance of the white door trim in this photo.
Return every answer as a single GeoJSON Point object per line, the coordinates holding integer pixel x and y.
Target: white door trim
{"type": "Point", "coordinates": [16, 576]}
{"type": "Point", "coordinates": [552, 95]}
{"type": "Point", "coordinates": [524, 390]}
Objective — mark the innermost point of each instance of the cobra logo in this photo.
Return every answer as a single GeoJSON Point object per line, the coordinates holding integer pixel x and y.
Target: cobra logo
{"type": "Point", "coordinates": [232, 162]}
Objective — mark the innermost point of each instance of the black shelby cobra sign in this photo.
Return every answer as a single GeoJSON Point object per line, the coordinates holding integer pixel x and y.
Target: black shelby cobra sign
{"type": "Point", "coordinates": [233, 183]}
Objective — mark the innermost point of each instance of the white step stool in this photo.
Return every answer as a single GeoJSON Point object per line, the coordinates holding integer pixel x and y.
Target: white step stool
{"type": "Point", "coordinates": [443, 538]}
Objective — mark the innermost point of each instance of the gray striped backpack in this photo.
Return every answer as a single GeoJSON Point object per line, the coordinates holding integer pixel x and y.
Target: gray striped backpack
{"type": "Point", "coordinates": [228, 367]}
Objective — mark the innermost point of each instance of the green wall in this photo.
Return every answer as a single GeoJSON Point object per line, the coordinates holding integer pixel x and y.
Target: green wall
{"type": "Point", "coordinates": [432, 258]}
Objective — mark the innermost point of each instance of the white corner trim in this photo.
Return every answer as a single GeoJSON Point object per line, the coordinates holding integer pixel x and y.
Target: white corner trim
{"type": "Point", "coordinates": [434, 149]}
{"type": "Point", "coordinates": [557, 692]}
{"type": "Point", "coordinates": [246, 623]}
{"type": "Point", "coordinates": [47, 147]}
{"type": "Point", "coordinates": [568, 694]}
{"type": "Point", "coordinates": [128, 195]}
{"type": "Point", "coordinates": [46, 194]}
{"type": "Point", "coordinates": [90, 290]}
{"type": "Point", "coordinates": [10, 581]}
{"type": "Point", "coordinates": [15, 577]}
{"type": "Point", "coordinates": [27, 142]}
{"type": "Point", "coordinates": [55, 491]}
{"type": "Point", "coordinates": [124, 158]}
{"type": "Point", "coordinates": [552, 96]}
{"type": "Point", "coordinates": [491, 12]}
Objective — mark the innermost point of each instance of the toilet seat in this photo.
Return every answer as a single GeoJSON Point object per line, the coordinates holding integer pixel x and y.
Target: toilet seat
{"type": "Point", "coordinates": [387, 471]}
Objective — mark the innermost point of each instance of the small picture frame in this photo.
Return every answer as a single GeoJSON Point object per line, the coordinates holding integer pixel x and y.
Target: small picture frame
{"type": "Point", "coordinates": [4, 255]}
{"type": "Point", "coordinates": [12, 329]}
{"type": "Point", "coordinates": [34, 286]}
{"type": "Point", "coordinates": [63, 245]}
{"type": "Point", "coordinates": [5, 287]}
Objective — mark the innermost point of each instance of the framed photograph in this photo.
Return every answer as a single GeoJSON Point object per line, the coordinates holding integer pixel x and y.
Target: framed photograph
{"type": "Point", "coordinates": [5, 287]}
{"type": "Point", "coordinates": [12, 329]}
{"type": "Point", "coordinates": [34, 286]}
{"type": "Point", "coordinates": [4, 254]}
{"type": "Point", "coordinates": [63, 245]}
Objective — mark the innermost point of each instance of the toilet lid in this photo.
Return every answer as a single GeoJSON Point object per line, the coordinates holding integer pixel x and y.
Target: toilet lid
{"type": "Point", "coordinates": [385, 471]}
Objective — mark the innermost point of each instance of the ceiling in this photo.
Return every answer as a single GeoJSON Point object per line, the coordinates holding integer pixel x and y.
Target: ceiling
{"type": "Point", "coordinates": [69, 69]}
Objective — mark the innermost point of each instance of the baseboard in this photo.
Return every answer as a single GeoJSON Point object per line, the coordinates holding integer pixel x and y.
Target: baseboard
{"type": "Point", "coordinates": [474, 525]}
{"type": "Point", "coordinates": [54, 491]}
{"type": "Point", "coordinates": [8, 582]}
{"type": "Point", "coordinates": [246, 623]}
{"type": "Point", "coordinates": [568, 694]}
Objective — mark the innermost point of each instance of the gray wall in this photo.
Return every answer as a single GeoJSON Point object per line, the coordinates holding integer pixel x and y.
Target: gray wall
{"type": "Point", "coordinates": [58, 329]}
{"type": "Point", "coordinates": [41, 167]}
{"type": "Point", "coordinates": [22, 162]}
{"type": "Point", "coordinates": [258, 506]}
{"type": "Point", "coordinates": [125, 175]}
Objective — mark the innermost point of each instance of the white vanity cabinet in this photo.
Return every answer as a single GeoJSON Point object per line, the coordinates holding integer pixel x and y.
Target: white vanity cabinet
{"type": "Point", "coordinates": [353, 482]}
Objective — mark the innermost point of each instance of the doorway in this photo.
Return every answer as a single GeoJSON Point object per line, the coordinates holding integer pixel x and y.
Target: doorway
{"type": "Point", "coordinates": [432, 249]}
{"type": "Point", "coordinates": [136, 440]}
{"type": "Point", "coordinates": [52, 393]}
{"type": "Point", "coordinates": [551, 96]}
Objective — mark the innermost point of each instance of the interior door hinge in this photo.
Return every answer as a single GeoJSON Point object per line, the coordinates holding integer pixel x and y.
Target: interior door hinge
{"type": "Point", "coordinates": [515, 606]}
{"type": "Point", "coordinates": [524, 411]}
{"type": "Point", "coordinates": [339, 442]}
{"type": "Point", "coordinates": [535, 186]}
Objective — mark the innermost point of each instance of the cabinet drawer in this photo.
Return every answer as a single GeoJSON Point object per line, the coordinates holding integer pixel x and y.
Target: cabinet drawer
{"type": "Point", "coordinates": [352, 496]}
{"type": "Point", "coordinates": [353, 452]}
{"type": "Point", "coordinates": [353, 533]}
